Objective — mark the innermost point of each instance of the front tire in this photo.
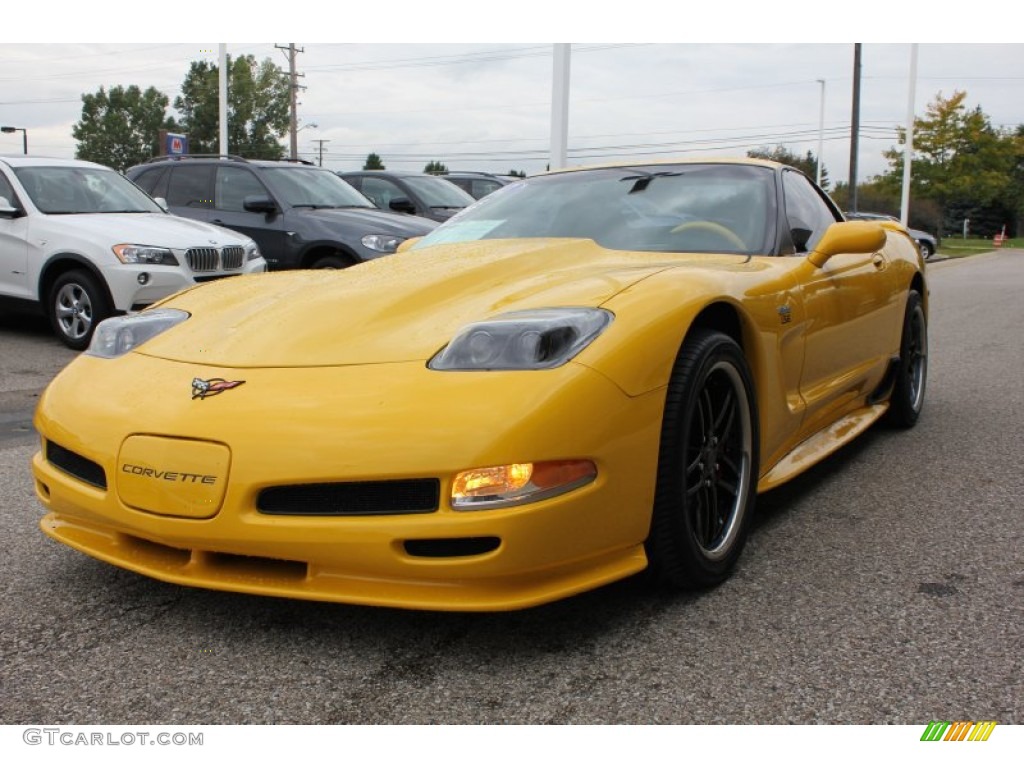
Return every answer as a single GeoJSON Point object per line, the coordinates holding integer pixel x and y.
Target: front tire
{"type": "Point", "coordinates": [331, 262]}
{"type": "Point", "coordinates": [707, 465]}
{"type": "Point", "coordinates": [76, 305]}
{"type": "Point", "coordinates": [912, 373]}
{"type": "Point", "coordinates": [926, 251]}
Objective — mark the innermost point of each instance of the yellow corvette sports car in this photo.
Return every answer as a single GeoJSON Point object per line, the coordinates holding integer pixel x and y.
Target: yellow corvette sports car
{"type": "Point", "coordinates": [585, 375]}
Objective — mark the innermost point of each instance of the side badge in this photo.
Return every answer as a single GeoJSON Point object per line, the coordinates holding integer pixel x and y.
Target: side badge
{"type": "Point", "coordinates": [785, 314]}
{"type": "Point", "coordinates": [204, 388]}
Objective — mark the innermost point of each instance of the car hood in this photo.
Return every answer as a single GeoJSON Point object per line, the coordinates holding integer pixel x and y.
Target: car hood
{"type": "Point", "coordinates": [157, 229]}
{"type": "Point", "coordinates": [372, 221]}
{"type": "Point", "coordinates": [405, 307]}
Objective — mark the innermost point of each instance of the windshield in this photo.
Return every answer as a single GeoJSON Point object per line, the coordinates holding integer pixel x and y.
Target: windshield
{"type": "Point", "coordinates": [63, 190]}
{"type": "Point", "coordinates": [713, 208]}
{"type": "Point", "coordinates": [302, 186]}
{"type": "Point", "coordinates": [439, 193]}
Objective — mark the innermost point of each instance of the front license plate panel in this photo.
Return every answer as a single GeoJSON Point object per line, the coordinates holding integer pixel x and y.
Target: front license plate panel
{"type": "Point", "coordinates": [173, 477]}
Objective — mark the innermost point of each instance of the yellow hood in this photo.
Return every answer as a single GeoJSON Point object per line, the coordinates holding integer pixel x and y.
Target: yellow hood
{"type": "Point", "coordinates": [399, 308]}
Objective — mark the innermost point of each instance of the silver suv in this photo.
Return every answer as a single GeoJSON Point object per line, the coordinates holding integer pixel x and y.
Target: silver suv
{"type": "Point", "coordinates": [81, 242]}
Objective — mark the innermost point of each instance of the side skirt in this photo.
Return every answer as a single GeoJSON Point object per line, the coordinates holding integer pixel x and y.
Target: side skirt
{"type": "Point", "coordinates": [821, 444]}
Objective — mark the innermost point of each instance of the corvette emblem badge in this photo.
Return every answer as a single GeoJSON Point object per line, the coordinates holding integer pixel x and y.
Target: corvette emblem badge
{"type": "Point", "coordinates": [204, 388]}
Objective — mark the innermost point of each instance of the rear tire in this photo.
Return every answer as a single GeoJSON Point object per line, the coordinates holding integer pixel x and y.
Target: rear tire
{"type": "Point", "coordinates": [77, 303]}
{"type": "Point", "coordinates": [908, 390]}
{"type": "Point", "coordinates": [707, 465]}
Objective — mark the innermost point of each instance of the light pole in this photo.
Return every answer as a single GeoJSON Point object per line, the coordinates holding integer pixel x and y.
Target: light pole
{"type": "Point", "coordinates": [24, 135]}
{"type": "Point", "coordinates": [821, 129]}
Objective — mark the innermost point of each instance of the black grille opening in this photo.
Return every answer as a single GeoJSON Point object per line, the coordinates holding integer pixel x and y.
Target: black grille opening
{"type": "Point", "coordinates": [232, 256]}
{"type": "Point", "coordinates": [76, 465]}
{"type": "Point", "coordinates": [202, 259]}
{"type": "Point", "coordinates": [464, 547]}
{"type": "Point", "coordinates": [387, 497]}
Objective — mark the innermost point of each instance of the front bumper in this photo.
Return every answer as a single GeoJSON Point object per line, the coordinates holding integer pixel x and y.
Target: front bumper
{"type": "Point", "coordinates": [128, 292]}
{"type": "Point", "coordinates": [357, 424]}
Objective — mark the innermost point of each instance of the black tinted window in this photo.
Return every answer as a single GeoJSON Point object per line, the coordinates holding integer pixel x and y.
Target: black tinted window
{"type": "Point", "coordinates": [149, 178]}
{"type": "Point", "coordinates": [234, 185]}
{"type": "Point", "coordinates": [191, 186]}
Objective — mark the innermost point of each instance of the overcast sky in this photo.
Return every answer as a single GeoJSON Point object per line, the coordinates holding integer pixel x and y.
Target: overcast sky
{"type": "Point", "coordinates": [643, 87]}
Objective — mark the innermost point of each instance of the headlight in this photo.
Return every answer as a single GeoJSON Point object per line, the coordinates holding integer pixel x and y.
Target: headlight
{"type": "Point", "coordinates": [530, 340]}
{"type": "Point", "coordinates": [252, 252]}
{"type": "Point", "coordinates": [144, 254]}
{"type": "Point", "coordinates": [117, 336]}
{"type": "Point", "coordinates": [382, 243]}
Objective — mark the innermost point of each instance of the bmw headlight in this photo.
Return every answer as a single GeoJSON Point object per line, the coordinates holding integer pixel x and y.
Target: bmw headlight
{"type": "Point", "coordinates": [382, 243]}
{"type": "Point", "coordinates": [129, 253]}
{"type": "Point", "coordinates": [118, 336]}
{"type": "Point", "coordinates": [252, 252]}
{"type": "Point", "coordinates": [529, 340]}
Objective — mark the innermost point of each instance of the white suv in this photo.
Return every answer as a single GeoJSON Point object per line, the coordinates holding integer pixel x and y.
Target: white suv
{"type": "Point", "coordinates": [82, 242]}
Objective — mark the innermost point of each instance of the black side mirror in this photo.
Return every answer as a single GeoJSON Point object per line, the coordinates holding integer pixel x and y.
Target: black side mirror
{"type": "Point", "coordinates": [402, 205]}
{"type": "Point", "coordinates": [800, 237]}
{"type": "Point", "coordinates": [259, 204]}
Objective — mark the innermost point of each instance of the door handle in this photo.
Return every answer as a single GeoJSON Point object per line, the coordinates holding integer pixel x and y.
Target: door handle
{"type": "Point", "coordinates": [878, 261]}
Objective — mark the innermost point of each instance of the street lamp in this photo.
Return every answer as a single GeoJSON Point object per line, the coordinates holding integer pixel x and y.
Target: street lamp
{"type": "Point", "coordinates": [24, 135]}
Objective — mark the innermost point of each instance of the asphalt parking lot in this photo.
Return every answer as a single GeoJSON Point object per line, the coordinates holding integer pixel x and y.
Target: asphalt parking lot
{"type": "Point", "coordinates": [884, 586]}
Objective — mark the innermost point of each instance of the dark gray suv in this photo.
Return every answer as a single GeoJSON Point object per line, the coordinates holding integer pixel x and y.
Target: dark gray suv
{"type": "Point", "coordinates": [300, 215]}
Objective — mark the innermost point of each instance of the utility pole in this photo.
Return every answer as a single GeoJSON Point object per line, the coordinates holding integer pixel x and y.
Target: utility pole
{"type": "Point", "coordinates": [854, 128]}
{"type": "Point", "coordinates": [321, 142]}
{"type": "Point", "coordinates": [293, 76]}
{"type": "Point", "coordinates": [560, 107]}
{"type": "Point", "coordinates": [908, 147]}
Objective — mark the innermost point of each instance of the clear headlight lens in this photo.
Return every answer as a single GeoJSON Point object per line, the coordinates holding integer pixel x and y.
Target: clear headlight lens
{"type": "Point", "coordinates": [529, 340]}
{"type": "Point", "coordinates": [129, 253]}
{"type": "Point", "coordinates": [512, 484]}
{"type": "Point", "coordinates": [117, 336]}
{"type": "Point", "coordinates": [252, 252]}
{"type": "Point", "coordinates": [382, 243]}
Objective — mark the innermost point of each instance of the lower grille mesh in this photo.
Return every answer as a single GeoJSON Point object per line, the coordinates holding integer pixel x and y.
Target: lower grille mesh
{"type": "Point", "coordinates": [76, 465]}
{"type": "Point", "coordinates": [389, 497]}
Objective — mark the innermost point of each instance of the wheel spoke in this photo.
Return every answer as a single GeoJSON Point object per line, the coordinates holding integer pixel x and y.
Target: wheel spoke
{"type": "Point", "coordinates": [726, 414]}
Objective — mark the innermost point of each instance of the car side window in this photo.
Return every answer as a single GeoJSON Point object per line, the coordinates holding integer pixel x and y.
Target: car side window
{"type": "Point", "coordinates": [148, 180]}
{"type": "Point", "coordinates": [381, 191]}
{"type": "Point", "coordinates": [7, 191]}
{"type": "Point", "coordinates": [191, 186]}
{"type": "Point", "coordinates": [807, 212]}
{"type": "Point", "coordinates": [234, 185]}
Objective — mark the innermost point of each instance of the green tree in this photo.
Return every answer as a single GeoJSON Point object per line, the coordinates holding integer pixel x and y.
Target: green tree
{"type": "Point", "coordinates": [808, 163]}
{"type": "Point", "coordinates": [436, 168]}
{"type": "Point", "coordinates": [258, 107]}
{"type": "Point", "coordinates": [373, 163]}
{"type": "Point", "coordinates": [518, 174]}
{"type": "Point", "coordinates": [960, 161]}
{"type": "Point", "coordinates": [120, 127]}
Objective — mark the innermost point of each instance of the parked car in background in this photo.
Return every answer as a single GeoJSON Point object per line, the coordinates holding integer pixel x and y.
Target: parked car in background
{"type": "Point", "coordinates": [81, 243]}
{"type": "Point", "coordinates": [301, 215]}
{"type": "Point", "coordinates": [477, 183]}
{"type": "Point", "coordinates": [928, 243]}
{"type": "Point", "coordinates": [421, 194]}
